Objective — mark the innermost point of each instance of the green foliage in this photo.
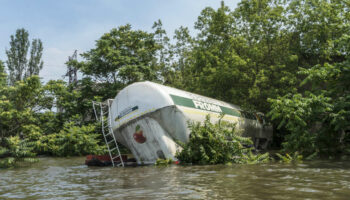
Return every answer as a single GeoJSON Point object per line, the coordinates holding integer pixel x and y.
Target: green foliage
{"type": "Point", "coordinates": [26, 111]}
{"type": "Point", "coordinates": [17, 62]}
{"type": "Point", "coordinates": [19, 148]}
{"type": "Point", "coordinates": [35, 63]}
{"type": "Point", "coordinates": [302, 116]}
{"type": "Point", "coordinates": [17, 55]}
{"type": "Point", "coordinates": [122, 56]}
{"type": "Point", "coordinates": [70, 141]}
{"type": "Point", "coordinates": [3, 76]}
{"type": "Point", "coordinates": [295, 158]}
{"type": "Point", "coordinates": [251, 158]}
{"type": "Point", "coordinates": [16, 152]}
{"type": "Point", "coordinates": [19, 105]}
{"type": "Point", "coordinates": [241, 56]}
{"type": "Point", "coordinates": [318, 119]}
{"type": "Point", "coordinates": [254, 52]}
{"type": "Point", "coordinates": [70, 104]}
{"type": "Point", "coordinates": [163, 162]}
{"type": "Point", "coordinates": [217, 144]}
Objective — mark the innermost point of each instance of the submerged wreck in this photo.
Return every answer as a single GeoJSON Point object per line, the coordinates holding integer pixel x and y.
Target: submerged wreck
{"type": "Point", "coordinates": [148, 118]}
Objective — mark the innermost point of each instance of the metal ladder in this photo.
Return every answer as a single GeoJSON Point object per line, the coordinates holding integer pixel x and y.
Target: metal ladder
{"type": "Point", "coordinates": [107, 131]}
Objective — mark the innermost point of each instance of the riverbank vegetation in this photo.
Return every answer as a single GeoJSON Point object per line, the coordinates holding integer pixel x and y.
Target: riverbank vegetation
{"type": "Point", "coordinates": [218, 143]}
{"type": "Point", "coordinates": [289, 59]}
{"type": "Point", "coordinates": [16, 152]}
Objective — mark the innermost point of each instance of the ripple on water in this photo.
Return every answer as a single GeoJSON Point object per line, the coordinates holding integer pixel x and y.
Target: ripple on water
{"type": "Point", "coordinates": [68, 178]}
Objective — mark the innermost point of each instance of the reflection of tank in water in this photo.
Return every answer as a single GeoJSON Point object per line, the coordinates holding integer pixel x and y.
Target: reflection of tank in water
{"type": "Point", "coordinates": [148, 118]}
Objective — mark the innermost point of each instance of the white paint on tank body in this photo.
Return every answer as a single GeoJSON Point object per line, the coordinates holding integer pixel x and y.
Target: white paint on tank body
{"type": "Point", "coordinates": [149, 96]}
{"type": "Point", "coordinates": [143, 95]}
{"type": "Point", "coordinates": [157, 144]}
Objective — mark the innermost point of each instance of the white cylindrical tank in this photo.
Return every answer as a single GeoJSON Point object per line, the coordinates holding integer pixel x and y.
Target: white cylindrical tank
{"type": "Point", "coordinates": [148, 118]}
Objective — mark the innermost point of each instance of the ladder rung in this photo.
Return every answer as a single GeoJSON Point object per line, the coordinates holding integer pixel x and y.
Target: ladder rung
{"type": "Point", "coordinates": [115, 157]}
{"type": "Point", "coordinates": [114, 149]}
{"type": "Point", "coordinates": [110, 141]}
{"type": "Point", "coordinates": [108, 134]}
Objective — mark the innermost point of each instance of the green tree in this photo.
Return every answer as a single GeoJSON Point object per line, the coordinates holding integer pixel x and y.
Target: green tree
{"type": "Point", "coordinates": [263, 24]}
{"type": "Point", "coordinates": [17, 61]}
{"type": "Point", "coordinates": [35, 62]}
{"type": "Point", "coordinates": [239, 56]}
{"type": "Point", "coordinates": [19, 106]}
{"type": "Point", "coordinates": [317, 116]}
{"type": "Point", "coordinates": [17, 55]}
{"type": "Point", "coordinates": [163, 54]}
{"type": "Point", "coordinates": [49, 118]}
{"type": "Point", "coordinates": [317, 120]}
{"type": "Point", "coordinates": [71, 140]}
{"type": "Point", "coordinates": [218, 68]}
{"type": "Point", "coordinates": [68, 104]}
{"type": "Point", "coordinates": [178, 72]}
{"type": "Point", "coordinates": [208, 63]}
{"type": "Point", "coordinates": [122, 56]}
{"type": "Point", "coordinates": [3, 76]}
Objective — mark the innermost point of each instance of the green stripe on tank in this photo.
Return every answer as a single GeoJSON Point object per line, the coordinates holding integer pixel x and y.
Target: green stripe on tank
{"type": "Point", "coordinates": [183, 101]}
{"type": "Point", "coordinates": [230, 111]}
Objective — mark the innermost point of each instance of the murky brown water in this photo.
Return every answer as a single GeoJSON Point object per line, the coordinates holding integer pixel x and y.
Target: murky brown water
{"type": "Point", "coordinates": [69, 178]}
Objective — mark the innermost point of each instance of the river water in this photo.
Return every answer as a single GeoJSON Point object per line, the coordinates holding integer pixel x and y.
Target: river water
{"type": "Point", "coordinates": [69, 178]}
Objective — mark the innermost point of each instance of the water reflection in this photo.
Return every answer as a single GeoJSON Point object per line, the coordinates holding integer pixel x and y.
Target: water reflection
{"type": "Point", "coordinates": [68, 178]}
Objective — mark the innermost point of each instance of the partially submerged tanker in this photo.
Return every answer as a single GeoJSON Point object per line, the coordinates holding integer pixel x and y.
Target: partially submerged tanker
{"type": "Point", "coordinates": [148, 118]}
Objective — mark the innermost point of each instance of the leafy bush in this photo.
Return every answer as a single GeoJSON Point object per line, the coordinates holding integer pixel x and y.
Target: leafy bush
{"type": "Point", "coordinates": [300, 115]}
{"type": "Point", "coordinates": [70, 141]}
{"type": "Point", "coordinates": [251, 158]}
{"type": "Point", "coordinates": [217, 144]}
{"type": "Point", "coordinates": [16, 152]}
{"type": "Point", "coordinates": [295, 158]}
{"type": "Point", "coordinates": [163, 162]}
{"type": "Point", "coordinates": [317, 120]}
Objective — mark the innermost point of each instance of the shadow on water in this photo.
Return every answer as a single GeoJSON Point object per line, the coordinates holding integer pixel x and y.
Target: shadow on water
{"type": "Point", "coordinates": [69, 178]}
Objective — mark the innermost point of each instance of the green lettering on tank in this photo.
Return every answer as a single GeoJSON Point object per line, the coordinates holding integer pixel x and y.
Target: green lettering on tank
{"type": "Point", "coordinates": [183, 101]}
